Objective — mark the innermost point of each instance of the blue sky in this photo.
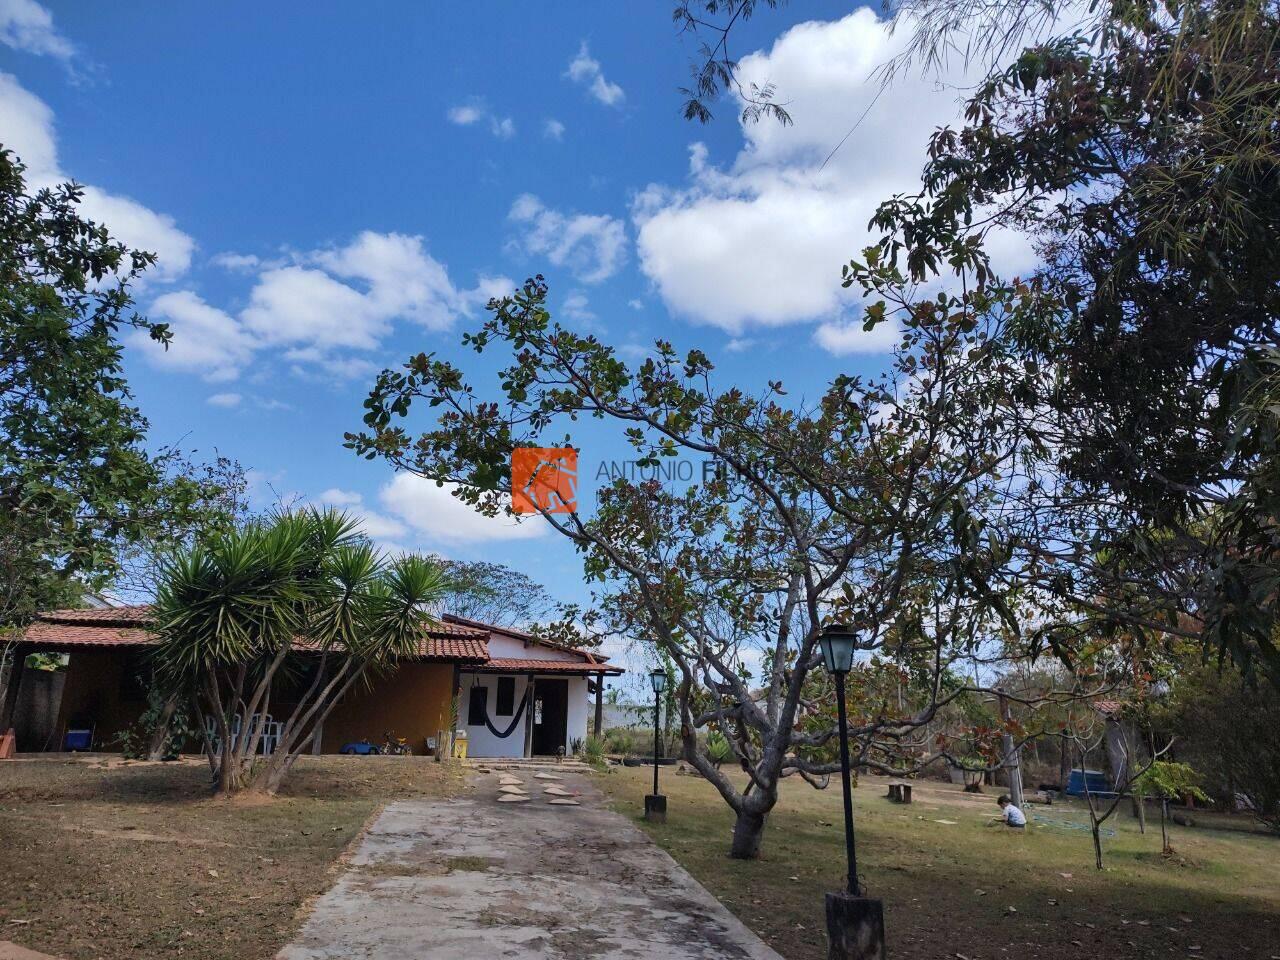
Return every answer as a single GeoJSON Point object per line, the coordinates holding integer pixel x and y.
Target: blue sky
{"type": "Point", "coordinates": [330, 191]}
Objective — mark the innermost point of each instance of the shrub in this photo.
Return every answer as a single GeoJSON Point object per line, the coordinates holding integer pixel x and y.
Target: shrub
{"type": "Point", "coordinates": [593, 751]}
{"type": "Point", "coordinates": [718, 749]}
{"type": "Point", "coordinates": [623, 740]}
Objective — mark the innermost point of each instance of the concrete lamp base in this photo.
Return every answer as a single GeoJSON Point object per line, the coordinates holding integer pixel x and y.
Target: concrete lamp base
{"type": "Point", "coordinates": [655, 808]}
{"type": "Point", "coordinates": [855, 928]}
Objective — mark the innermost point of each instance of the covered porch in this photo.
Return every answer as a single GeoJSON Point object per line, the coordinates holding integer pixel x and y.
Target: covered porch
{"type": "Point", "coordinates": [531, 708]}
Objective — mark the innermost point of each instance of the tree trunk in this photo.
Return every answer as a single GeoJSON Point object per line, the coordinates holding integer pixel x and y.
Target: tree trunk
{"type": "Point", "coordinates": [1096, 828]}
{"type": "Point", "coordinates": [1164, 827]}
{"type": "Point", "coordinates": [1012, 757]}
{"type": "Point", "coordinates": [271, 777]}
{"type": "Point", "coordinates": [229, 778]}
{"type": "Point", "coordinates": [1140, 812]}
{"type": "Point", "coordinates": [160, 735]}
{"type": "Point", "coordinates": [748, 831]}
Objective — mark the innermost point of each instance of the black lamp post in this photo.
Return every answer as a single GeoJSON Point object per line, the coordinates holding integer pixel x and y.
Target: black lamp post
{"type": "Point", "coordinates": [655, 804]}
{"type": "Point", "coordinates": [855, 924]}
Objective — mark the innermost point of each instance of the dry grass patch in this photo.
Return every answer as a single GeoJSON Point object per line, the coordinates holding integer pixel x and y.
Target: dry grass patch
{"type": "Point", "coordinates": [963, 890]}
{"type": "Point", "coordinates": [104, 859]}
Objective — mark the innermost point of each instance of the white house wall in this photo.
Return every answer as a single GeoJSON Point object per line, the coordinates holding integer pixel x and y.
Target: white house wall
{"type": "Point", "coordinates": [580, 708]}
{"type": "Point", "coordinates": [503, 647]}
{"type": "Point", "coordinates": [482, 743]}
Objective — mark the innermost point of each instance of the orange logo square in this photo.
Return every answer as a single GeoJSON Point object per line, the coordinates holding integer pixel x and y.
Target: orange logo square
{"type": "Point", "coordinates": [544, 479]}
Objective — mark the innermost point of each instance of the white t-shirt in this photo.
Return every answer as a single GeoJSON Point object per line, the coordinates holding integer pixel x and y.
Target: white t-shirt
{"type": "Point", "coordinates": [1014, 817]}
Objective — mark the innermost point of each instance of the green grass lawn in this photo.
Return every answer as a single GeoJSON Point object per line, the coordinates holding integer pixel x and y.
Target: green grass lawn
{"type": "Point", "coordinates": [100, 858]}
{"type": "Point", "coordinates": [964, 891]}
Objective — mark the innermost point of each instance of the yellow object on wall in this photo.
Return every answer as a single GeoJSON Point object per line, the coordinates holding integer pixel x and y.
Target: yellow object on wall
{"type": "Point", "coordinates": [460, 745]}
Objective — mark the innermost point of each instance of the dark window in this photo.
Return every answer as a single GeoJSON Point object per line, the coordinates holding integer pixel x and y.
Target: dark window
{"type": "Point", "coordinates": [506, 696]}
{"type": "Point", "coordinates": [477, 706]}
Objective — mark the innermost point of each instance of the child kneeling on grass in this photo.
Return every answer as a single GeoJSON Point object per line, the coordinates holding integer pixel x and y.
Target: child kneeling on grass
{"type": "Point", "coordinates": [1010, 815]}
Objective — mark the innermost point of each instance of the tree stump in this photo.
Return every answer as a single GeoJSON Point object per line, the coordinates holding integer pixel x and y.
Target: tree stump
{"type": "Point", "coordinates": [855, 928]}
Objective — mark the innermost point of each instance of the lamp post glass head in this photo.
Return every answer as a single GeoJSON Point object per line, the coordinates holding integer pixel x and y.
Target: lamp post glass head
{"type": "Point", "coordinates": [658, 680]}
{"type": "Point", "coordinates": [837, 642]}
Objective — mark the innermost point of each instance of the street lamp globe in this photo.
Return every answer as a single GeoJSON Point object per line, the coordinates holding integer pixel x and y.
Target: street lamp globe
{"type": "Point", "coordinates": [658, 680]}
{"type": "Point", "coordinates": [837, 642]}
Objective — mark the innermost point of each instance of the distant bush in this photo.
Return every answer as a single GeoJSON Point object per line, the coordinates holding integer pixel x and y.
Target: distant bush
{"type": "Point", "coordinates": [627, 740]}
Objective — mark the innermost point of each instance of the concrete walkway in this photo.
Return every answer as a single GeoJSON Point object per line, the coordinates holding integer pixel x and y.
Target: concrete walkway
{"type": "Point", "coordinates": [474, 879]}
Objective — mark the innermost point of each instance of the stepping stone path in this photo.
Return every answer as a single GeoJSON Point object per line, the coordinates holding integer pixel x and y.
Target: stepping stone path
{"type": "Point", "coordinates": [564, 802]}
{"type": "Point", "coordinates": [514, 790]}
{"type": "Point", "coordinates": [546, 776]}
{"type": "Point", "coordinates": [557, 792]}
{"type": "Point", "coordinates": [514, 798]}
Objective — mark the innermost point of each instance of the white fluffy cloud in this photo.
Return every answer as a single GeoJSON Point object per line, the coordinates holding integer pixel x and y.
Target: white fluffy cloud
{"type": "Point", "coordinates": [470, 114]}
{"type": "Point", "coordinates": [236, 262]}
{"type": "Point", "coordinates": [760, 242]}
{"type": "Point", "coordinates": [226, 400]}
{"type": "Point", "coordinates": [416, 513]}
{"type": "Point", "coordinates": [27, 128]}
{"type": "Point", "coordinates": [375, 526]}
{"type": "Point", "coordinates": [27, 26]}
{"type": "Point", "coordinates": [435, 514]}
{"type": "Point", "coordinates": [843, 337]}
{"type": "Point", "coordinates": [586, 71]}
{"type": "Point", "coordinates": [206, 341]}
{"type": "Point", "coordinates": [592, 246]}
{"type": "Point", "coordinates": [552, 129]}
{"type": "Point", "coordinates": [465, 116]}
{"type": "Point", "coordinates": [402, 279]}
{"type": "Point", "coordinates": [577, 307]}
{"type": "Point", "coordinates": [302, 305]}
{"type": "Point", "coordinates": [319, 308]}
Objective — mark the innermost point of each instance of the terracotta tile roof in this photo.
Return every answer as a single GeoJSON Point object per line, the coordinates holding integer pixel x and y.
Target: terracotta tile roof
{"type": "Point", "coordinates": [134, 616]}
{"type": "Point", "coordinates": [126, 627]}
{"type": "Point", "coordinates": [447, 629]}
{"type": "Point", "coordinates": [470, 649]}
{"type": "Point", "coordinates": [548, 666]}
{"type": "Point", "coordinates": [87, 635]}
{"type": "Point", "coordinates": [453, 639]}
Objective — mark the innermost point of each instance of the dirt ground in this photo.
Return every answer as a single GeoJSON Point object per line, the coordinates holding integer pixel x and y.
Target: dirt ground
{"type": "Point", "coordinates": [102, 858]}
{"type": "Point", "coordinates": [955, 889]}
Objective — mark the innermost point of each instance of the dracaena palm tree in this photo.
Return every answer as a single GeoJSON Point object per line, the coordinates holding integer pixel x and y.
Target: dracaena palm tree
{"type": "Point", "coordinates": [301, 595]}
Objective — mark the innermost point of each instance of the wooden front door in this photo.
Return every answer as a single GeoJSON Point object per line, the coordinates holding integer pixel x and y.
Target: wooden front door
{"type": "Point", "coordinates": [550, 716]}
